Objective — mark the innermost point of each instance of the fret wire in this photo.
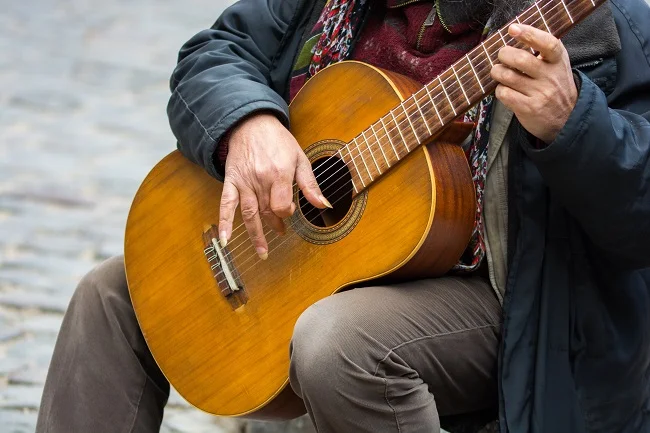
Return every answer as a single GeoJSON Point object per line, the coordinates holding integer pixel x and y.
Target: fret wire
{"type": "Point", "coordinates": [578, 12]}
{"type": "Point", "coordinates": [478, 80]}
{"type": "Point", "coordinates": [502, 38]}
{"type": "Point", "coordinates": [355, 165]}
{"type": "Point", "coordinates": [543, 19]}
{"type": "Point", "coordinates": [567, 11]}
{"type": "Point", "coordinates": [390, 140]}
{"type": "Point", "coordinates": [372, 128]}
{"type": "Point", "coordinates": [445, 90]}
{"type": "Point", "coordinates": [414, 132]}
{"type": "Point", "coordinates": [399, 129]}
{"type": "Point", "coordinates": [424, 119]}
{"type": "Point", "coordinates": [487, 54]}
{"type": "Point", "coordinates": [362, 158]}
{"type": "Point", "coordinates": [434, 105]}
{"type": "Point", "coordinates": [531, 50]}
{"type": "Point", "coordinates": [363, 134]}
{"type": "Point", "coordinates": [460, 84]}
{"type": "Point", "coordinates": [592, 2]}
{"type": "Point", "coordinates": [356, 190]}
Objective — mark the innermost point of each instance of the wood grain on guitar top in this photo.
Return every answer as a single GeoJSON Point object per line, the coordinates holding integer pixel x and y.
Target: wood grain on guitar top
{"type": "Point", "coordinates": [416, 223]}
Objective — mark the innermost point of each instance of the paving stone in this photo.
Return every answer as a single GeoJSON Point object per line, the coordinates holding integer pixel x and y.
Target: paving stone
{"type": "Point", "coordinates": [186, 421]}
{"type": "Point", "coordinates": [28, 376]}
{"type": "Point", "coordinates": [300, 425]}
{"type": "Point", "coordinates": [42, 301]}
{"type": "Point", "coordinates": [17, 421]}
{"type": "Point", "coordinates": [46, 100]}
{"type": "Point", "coordinates": [20, 397]}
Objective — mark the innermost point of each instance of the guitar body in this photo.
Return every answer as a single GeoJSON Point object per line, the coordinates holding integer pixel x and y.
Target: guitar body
{"type": "Point", "coordinates": [228, 354]}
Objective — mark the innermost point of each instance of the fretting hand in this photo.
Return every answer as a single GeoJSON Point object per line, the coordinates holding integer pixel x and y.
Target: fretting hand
{"type": "Point", "coordinates": [539, 90]}
{"type": "Point", "coordinates": [263, 161]}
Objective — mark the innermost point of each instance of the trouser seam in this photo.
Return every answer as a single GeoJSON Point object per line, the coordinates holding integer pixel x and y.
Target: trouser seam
{"type": "Point", "coordinates": [425, 337]}
{"type": "Point", "coordinates": [414, 340]}
{"type": "Point", "coordinates": [390, 405]}
{"type": "Point", "coordinates": [137, 405]}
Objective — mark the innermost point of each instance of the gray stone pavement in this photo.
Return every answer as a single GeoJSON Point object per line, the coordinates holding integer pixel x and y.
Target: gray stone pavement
{"type": "Point", "coordinates": [82, 120]}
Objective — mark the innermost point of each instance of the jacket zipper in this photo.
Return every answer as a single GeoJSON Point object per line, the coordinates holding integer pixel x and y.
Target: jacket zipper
{"type": "Point", "coordinates": [428, 22]}
{"type": "Point", "coordinates": [589, 64]}
{"type": "Point", "coordinates": [399, 5]}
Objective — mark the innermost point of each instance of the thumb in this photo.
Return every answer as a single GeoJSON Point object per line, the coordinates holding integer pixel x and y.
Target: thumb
{"type": "Point", "coordinates": [308, 185]}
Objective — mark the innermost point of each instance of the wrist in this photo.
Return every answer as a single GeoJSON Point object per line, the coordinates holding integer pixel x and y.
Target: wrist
{"type": "Point", "coordinates": [255, 119]}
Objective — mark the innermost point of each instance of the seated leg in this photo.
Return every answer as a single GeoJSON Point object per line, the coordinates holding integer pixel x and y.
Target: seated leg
{"type": "Point", "coordinates": [102, 378]}
{"type": "Point", "coordinates": [394, 358]}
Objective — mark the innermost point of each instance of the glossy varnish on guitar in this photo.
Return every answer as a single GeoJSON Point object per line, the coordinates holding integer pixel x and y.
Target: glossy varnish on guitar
{"type": "Point", "coordinates": [403, 211]}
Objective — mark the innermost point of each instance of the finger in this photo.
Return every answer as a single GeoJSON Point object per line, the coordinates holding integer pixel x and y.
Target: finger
{"type": "Point", "coordinates": [267, 214]}
{"type": "Point", "coordinates": [550, 47]}
{"type": "Point", "coordinates": [282, 197]}
{"type": "Point", "coordinates": [522, 60]}
{"type": "Point", "coordinates": [227, 207]}
{"type": "Point", "coordinates": [512, 99]}
{"type": "Point", "coordinates": [251, 216]}
{"type": "Point", "coordinates": [513, 79]}
{"type": "Point", "coordinates": [308, 185]}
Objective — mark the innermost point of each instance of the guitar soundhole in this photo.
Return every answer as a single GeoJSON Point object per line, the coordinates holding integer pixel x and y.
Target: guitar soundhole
{"type": "Point", "coordinates": [335, 182]}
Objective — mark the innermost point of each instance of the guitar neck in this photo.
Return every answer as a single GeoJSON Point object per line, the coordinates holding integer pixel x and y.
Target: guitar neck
{"type": "Point", "coordinates": [424, 114]}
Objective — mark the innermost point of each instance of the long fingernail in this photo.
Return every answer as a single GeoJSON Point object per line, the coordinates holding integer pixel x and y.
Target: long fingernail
{"type": "Point", "coordinates": [262, 253]}
{"type": "Point", "coordinates": [325, 201]}
{"type": "Point", "coordinates": [223, 239]}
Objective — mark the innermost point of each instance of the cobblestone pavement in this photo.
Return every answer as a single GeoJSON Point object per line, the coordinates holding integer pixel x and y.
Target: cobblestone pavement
{"type": "Point", "coordinates": [82, 120]}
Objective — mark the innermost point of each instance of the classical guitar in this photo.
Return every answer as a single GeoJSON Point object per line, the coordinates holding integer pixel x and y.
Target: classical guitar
{"type": "Point", "coordinates": [385, 152]}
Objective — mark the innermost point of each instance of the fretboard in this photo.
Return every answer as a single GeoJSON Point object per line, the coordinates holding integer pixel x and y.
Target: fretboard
{"type": "Point", "coordinates": [423, 115]}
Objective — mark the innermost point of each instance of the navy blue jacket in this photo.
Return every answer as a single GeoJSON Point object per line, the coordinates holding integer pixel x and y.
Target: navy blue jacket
{"type": "Point", "coordinates": [576, 334]}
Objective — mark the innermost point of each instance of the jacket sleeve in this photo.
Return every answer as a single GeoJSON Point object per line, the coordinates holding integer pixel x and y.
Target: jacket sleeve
{"type": "Point", "coordinates": [599, 164]}
{"type": "Point", "coordinates": [223, 74]}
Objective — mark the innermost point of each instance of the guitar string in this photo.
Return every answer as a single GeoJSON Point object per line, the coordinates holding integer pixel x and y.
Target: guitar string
{"type": "Point", "coordinates": [253, 256]}
{"type": "Point", "coordinates": [386, 132]}
{"type": "Point", "coordinates": [413, 102]}
{"type": "Point", "coordinates": [408, 133]}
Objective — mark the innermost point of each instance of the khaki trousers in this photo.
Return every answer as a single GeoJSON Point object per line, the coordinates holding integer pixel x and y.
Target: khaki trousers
{"type": "Point", "coordinates": [372, 359]}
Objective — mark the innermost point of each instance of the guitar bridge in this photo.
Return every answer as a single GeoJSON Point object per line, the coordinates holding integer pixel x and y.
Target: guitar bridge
{"type": "Point", "coordinates": [223, 268]}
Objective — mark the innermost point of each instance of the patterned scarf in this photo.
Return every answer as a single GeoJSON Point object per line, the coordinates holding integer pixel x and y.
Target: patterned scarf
{"type": "Point", "coordinates": [330, 41]}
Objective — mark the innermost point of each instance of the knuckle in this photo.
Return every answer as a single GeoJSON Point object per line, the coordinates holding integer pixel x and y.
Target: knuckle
{"type": "Point", "coordinates": [227, 204]}
{"type": "Point", "coordinates": [249, 212]}
{"type": "Point", "coordinates": [232, 174]}
{"type": "Point", "coordinates": [554, 45]}
{"type": "Point", "coordinates": [263, 171]}
{"type": "Point", "coordinates": [281, 208]}
{"type": "Point", "coordinates": [266, 213]}
{"type": "Point", "coordinates": [309, 182]}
